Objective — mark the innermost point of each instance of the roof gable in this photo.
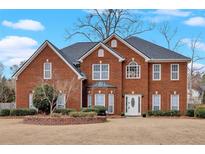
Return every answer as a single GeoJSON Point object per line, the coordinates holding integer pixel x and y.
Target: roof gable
{"type": "Point", "coordinates": [127, 44]}
{"type": "Point", "coordinates": [56, 50]}
{"type": "Point", "coordinates": [116, 54]}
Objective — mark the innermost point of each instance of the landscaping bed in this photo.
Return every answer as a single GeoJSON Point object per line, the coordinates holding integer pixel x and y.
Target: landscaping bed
{"type": "Point", "coordinates": [63, 120]}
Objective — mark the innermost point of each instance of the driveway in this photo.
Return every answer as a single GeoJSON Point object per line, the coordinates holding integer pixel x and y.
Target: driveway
{"type": "Point", "coordinates": [115, 131]}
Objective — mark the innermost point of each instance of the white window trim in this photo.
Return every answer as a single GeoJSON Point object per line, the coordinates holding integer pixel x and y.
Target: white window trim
{"type": "Point", "coordinates": [113, 103]}
{"type": "Point", "coordinates": [44, 74]}
{"type": "Point", "coordinates": [89, 95]}
{"type": "Point", "coordinates": [154, 72]}
{"type": "Point", "coordinates": [133, 77]}
{"type": "Point", "coordinates": [153, 101]}
{"type": "Point", "coordinates": [30, 97]}
{"type": "Point", "coordinates": [103, 98]}
{"type": "Point", "coordinates": [114, 45]}
{"type": "Point", "coordinates": [101, 53]}
{"type": "Point", "coordinates": [100, 72]}
{"type": "Point", "coordinates": [64, 99]}
{"type": "Point", "coordinates": [171, 72]}
{"type": "Point", "coordinates": [171, 101]}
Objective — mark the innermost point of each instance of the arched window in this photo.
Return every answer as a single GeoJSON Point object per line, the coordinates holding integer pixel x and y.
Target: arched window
{"type": "Point", "coordinates": [133, 70]}
{"type": "Point", "coordinates": [100, 53]}
{"type": "Point", "coordinates": [114, 43]}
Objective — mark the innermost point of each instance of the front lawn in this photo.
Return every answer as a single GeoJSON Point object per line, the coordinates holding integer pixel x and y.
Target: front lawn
{"type": "Point", "coordinates": [115, 131]}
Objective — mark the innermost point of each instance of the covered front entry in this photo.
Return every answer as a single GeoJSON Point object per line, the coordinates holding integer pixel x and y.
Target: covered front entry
{"type": "Point", "coordinates": [132, 105]}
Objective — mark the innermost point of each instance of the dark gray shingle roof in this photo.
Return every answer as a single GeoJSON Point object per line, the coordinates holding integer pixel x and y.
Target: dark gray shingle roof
{"type": "Point", "coordinates": [152, 50]}
{"type": "Point", "coordinates": [75, 51]}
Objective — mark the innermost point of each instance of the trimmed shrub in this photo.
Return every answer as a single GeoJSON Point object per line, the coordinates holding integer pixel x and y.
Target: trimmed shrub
{"type": "Point", "coordinates": [64, 111]}
{"type": "Point", "coordinates": [144, 115]}
{"type": "Point", "coordinates": [100, 110]}
{"type": "Point", "coordinates": [5, 112]}
{"type": "Point", "coordinates": [200, 112]}
{"type": "Point", "coordinates": [190, 113]}
{"type": "Point", "coordinates": [175, 113]}
{"type": "Point", "coordinates": [164, 113]}
{"type": "Point", "coordinates": [83, 114]}
{"type": "Point", "coordinates": [88, 109]}
{"type": "Point", "coordinates": [22, 112]}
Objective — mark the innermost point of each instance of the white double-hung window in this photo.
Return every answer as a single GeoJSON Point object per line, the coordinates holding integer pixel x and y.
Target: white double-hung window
{"type": "Point", "coordinates": [100, 71]}
{"type": "Point", "coordinates": [133, 70]}
{"type": "Point", "coordinates": [47, 70]}
{"type": "Point", "coordinates": [156, 71]}
{"type": "Point", "coordinates": [156, 102]}
{"type": "Point", "coordinates": [174, 71]}
{"type": "Point", "coordinates": [175, 102]}
{"type": "Point", "coordinates": [89, 100]}
{"type": "Point", "coordinates": [111, 103]}
{"type": "Point", "coordinates": [100, 99]}
{"type": "Point", "coordinates": [61, 101]}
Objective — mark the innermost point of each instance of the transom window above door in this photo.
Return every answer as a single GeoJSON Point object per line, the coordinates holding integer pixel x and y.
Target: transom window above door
{"type": "Point", "coordinates": [133, 70]}
{"type": "Point", "coordinates": [100, 71]}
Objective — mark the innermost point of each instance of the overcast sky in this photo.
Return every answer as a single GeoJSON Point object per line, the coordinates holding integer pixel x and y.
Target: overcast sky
{"type": "Point", "coordinates": [23, 31]}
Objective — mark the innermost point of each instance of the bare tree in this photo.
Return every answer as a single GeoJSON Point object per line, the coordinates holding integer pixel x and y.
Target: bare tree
{"type": "Point", "coordinates": [15, 67]}
{"type": "Point", "coordinates": [194, 58]}
{"type": "Point", "coordinates": [99, 24]}
{"type": "Point", "coordinates": [60, 86]}
{"type": "Point", "coordinates": [1, 69]}
{"type": "Point", "coordinates": [169, 35]}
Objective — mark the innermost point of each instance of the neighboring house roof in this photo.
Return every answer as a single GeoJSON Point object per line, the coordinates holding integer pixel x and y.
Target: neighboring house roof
{"type": "Point", "coordinates": [154, 51]}
{"type": "Point", "coordinates": [100, 44]}
{"type": "Point", "coordinates": [101, 84]}
{"type": "Point", "coordinates": [57, 51]}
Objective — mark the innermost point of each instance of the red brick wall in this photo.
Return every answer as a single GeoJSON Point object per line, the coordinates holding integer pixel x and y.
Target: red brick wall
{"type": "Point", "coordinates": [115, 76]}
{"type": "Point", "coordinates": [33, 75]}
{"type": "Point", "coordinates": [138, 86]}
{"type": "Point", "coordinates": [166, 86]}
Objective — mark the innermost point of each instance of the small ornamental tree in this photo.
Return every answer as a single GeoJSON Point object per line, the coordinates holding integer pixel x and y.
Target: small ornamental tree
{"type": "Point", "coordinates": [45, 97]}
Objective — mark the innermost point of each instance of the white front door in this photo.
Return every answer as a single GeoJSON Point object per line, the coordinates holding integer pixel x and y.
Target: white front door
{"type": "Point", "coordinates": [132, 105]}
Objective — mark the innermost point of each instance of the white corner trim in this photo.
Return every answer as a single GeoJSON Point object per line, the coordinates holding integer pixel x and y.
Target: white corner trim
{"type": "Point", "coordinates": [105, 47]}
{"type": "Point", "coordinates": [127, 44]}
{"type": "Point", "coordinates": [37, 53]}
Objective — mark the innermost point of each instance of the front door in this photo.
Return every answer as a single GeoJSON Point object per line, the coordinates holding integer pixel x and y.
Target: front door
{"type": "Point", "coordinates": [132, 105]}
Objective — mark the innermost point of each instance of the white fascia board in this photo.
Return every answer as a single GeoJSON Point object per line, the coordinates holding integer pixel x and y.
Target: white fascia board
{"type": "Point", "coordinates": [104, 46]}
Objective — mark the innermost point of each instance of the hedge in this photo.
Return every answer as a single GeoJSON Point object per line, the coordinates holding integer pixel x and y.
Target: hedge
{"type": "Point", "coordinates": [64, 111]}
{"type": "Point", "coordinates": [190, 113]}
{"type": "Point", "coordinates": [22, 112]}
{"type": "Point", "coordinates": [164, 113]}
{"type": "Point", "coordinates": [5, 112]}
{"type": "Point", "coordinates": [83, 114]}
{"type": "Point", "coordinates": [200, 112]}
{"type": "Point", "coordinates": [100, 110]}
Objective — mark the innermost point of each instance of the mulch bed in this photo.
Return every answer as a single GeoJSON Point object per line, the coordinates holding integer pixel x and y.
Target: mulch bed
{"type": "Point", "coordinates": [64, 120]}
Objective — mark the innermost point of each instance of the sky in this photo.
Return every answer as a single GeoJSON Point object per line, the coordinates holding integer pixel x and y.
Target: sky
{"type": "Point", "coordinates": [23, 31]}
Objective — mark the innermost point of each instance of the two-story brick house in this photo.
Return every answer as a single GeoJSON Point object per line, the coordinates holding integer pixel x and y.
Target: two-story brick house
{"type": "Point", "coordinates": [125, 75]}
